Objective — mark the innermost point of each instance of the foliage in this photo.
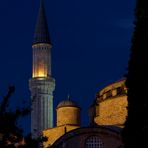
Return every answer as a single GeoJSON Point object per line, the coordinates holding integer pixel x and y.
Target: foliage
{"type": "Point", "coordinates": [10, 134]}
{"type": "Point", "coordinates": [135, 133]}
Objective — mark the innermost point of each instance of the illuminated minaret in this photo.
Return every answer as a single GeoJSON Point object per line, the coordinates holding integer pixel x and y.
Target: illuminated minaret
{"type": "Point", "coordinates": [41, 84]}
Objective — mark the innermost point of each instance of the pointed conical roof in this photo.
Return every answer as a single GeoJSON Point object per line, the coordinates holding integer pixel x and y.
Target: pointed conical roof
{"type": "Point", "coordinates": [41, 34]}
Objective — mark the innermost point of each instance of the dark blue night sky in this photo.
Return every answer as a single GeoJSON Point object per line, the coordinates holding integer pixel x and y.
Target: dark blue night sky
{"type": "Point", "coordinates": [91, 41]}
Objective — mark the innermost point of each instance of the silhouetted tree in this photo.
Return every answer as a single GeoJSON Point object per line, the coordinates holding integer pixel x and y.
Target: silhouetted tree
{"type": "Point", "coordinates": [11, 135]}
{"type": "Point", "coordinates": [9, 132]}
{"type": "Point", "coordinates": [135, 133]}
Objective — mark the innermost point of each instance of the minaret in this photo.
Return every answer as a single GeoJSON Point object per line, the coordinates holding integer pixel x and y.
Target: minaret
{"type": "Point", "coordinates": [41, 84]}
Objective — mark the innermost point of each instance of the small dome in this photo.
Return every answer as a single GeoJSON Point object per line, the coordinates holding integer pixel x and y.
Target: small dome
{"type": "Point", "coordinates": [67, 103]}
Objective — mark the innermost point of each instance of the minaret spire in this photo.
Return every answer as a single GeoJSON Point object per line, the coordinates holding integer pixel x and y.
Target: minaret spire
{"type": "Point", "coordinates": [41, 34]}
{"type": "Point", "coordinates": [41, 84]}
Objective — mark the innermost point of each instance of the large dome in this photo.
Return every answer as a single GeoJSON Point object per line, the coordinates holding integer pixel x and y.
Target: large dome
{"type": "Point", "coordinates": [67, 103]}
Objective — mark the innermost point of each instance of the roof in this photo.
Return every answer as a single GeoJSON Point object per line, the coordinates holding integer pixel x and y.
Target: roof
{"type": "Point", "coordinates": [67, 103]}
{"type": "Point", "coordinates": [41, 34]}
{"type": "Point", "coordinates": [111, 133]}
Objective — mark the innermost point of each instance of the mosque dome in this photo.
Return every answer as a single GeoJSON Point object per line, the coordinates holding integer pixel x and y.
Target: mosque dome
{"type": "Point", "coordinates": [68, 113]}
{"type": "Point", "coordinates": [67, 103]}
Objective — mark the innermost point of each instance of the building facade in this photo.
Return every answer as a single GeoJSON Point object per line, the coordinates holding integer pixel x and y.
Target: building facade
{"type": "Point", "coordinates": [111, 105]}
{"type": "Point", "coordinates": [68, 118]}
{"type": "Point", "coordinates": [90, 137]}
{"type": "Point", "coordinates": [107, 117]}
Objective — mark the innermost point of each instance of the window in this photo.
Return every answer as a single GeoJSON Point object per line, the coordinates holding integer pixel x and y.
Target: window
{"type": "Point", "coordinates": [119, 91]}
{"type": "Point", "coordinates": [108, 94]}
{"type": "Point", "coordinates": [100, 98]}
{"type": "Point", "coordinates": [94, 142]}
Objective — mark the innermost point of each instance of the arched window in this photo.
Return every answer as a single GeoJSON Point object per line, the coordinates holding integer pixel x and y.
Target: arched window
{"type": "Point", "coordinates": [94, 142]}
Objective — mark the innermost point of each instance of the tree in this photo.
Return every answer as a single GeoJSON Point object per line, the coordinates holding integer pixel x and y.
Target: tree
{"type": "Point", "coordinates": [135, 133]}
{"type": "Point", "coordinates": [11, 135]}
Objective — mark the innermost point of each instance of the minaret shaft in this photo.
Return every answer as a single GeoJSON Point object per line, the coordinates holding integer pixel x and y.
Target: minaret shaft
{"type": "Point", "coordinates": [42, 104]}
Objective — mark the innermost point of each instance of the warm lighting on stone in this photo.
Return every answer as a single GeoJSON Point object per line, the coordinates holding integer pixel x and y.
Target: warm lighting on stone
{"type": "Point", "coordinates": [40, 73]}
{"type": "Point", "coordinates": [41, 61]}
{"type": "Point", "coordinates": [54, 133]}
{"type": "Point", "coordinates": [112, 105]}
{"type": "Point", "coordinates": [68, 115]}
